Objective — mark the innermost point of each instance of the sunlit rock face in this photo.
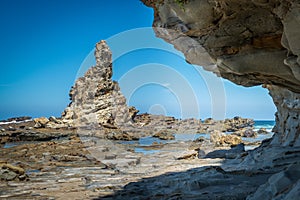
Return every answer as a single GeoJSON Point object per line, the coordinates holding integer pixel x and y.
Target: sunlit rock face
{"type": "Point", "coordinates": [96, 100]}
{"type": "Point", "coordinates": [249, 42]}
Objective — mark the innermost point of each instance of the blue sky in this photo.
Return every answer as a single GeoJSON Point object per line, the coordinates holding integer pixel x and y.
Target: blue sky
{"type": "Point", "coordinates": [45, 44]}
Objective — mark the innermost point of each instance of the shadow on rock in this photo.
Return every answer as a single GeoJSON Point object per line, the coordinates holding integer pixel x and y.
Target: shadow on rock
{"type": "Point", "coordinates": [199, 183]}
{"type": "Point", "coordinates": [226, 153]}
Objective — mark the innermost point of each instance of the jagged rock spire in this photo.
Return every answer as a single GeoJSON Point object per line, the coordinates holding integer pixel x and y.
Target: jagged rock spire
{"type": "Point", "coordinates": [95, 98]}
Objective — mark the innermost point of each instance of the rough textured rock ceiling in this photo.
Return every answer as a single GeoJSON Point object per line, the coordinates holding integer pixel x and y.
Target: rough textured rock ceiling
{"type": "Point", "coordinates": [252, 42]}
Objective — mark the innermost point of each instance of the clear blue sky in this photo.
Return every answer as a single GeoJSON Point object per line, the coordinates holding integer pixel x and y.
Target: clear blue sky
{"type": "Point", "coordinates": [44, 43]}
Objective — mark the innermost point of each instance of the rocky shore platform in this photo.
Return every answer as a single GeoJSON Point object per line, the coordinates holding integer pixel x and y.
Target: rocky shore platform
{"type": "Point", "coordinates": [154, 158]}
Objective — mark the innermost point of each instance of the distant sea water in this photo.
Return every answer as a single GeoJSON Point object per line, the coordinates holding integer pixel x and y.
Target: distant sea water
{"type": "Point", "coordinates": [267, 124]}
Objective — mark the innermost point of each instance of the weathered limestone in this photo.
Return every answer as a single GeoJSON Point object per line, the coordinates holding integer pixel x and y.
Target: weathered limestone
{"type": "Point", "coordinates": [287, 117]}
{"type": "Point", "coordinates": [282, 185]}
{"type": "Point", "coordinates": [95, 98]}
{"type": "Point", "coordinates": [221, 139]}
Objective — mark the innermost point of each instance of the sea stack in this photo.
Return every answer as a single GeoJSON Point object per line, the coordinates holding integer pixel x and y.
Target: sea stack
{"type": "Point", "coordinates": [96, 100]}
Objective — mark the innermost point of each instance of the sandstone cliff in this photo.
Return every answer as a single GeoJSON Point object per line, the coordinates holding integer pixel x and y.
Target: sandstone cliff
{"type": "Point", "coordinates": [249, 42]}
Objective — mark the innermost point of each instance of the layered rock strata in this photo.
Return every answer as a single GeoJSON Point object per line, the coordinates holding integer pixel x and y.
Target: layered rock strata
{"type": "Point", "coordinates": [95, 98]}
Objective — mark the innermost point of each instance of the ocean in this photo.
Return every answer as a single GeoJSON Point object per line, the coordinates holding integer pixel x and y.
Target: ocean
{"type": "Point", "coordinates": [267, 124]}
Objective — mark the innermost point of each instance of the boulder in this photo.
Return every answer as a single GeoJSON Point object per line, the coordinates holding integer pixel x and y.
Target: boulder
{"type": "Point", "coordinates": [11, 128]}
{"type": "Point", "coordinates": [208, 121]}
{"type": "Point", "coordinates": [164, 135]}
{"type": "Point", "coordinates": [246, 132]}
{"type": "Point", "coordinates": [237, 123]}
{"type": "Point", "coordinates": [40, 122]}
{"type": "Point", "coordinates": [55, 120]}
{"type": "Point", "coordinates": [262, 131]}
{"type": "Point", "coordinates": [9, 172]}
{"type": "Point", "coordinates": [221, 139]}
{"type": "Point", "coordinates": [230, 140]}
{"type": "Point", "coordinates": [117, 134]}
{"type": "Point", "coordinates": [215, 137]}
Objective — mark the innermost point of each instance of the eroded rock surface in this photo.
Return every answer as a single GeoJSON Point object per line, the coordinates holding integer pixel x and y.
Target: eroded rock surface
{"type": "Point", "coordinates": [249, 43]}
{"type": "Point", "coordinates": [96, 100]}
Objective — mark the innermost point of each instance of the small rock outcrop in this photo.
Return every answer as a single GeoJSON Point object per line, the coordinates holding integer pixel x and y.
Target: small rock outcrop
{"type": "Point", "coordinates": [221, 139]}
{"type": "Point", "coordinates": [247, 132]}
{"type": "Point", "coordinates": [237, 123]}
{"type": "Point", "coordinates": [9, 172]}
{"type": "Point", "coordinates": [95, 98]}
{"type": "Point", "coordinates": [40, 122]}
{"type": "Point", "coordinates": [262, 131]}
{"type": "Point", "coordinates": [164, 135]}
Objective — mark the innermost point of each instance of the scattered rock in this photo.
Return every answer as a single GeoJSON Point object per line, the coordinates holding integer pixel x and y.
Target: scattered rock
{"type": "Point", "coordinates": [246, 132]}
{"type": "Point", "coordinates": [203, 129]}
{"type": "Point", "coordinates": [4, 138]}
{"type": "Point", "coordinates": [220, 139]}
{"type": "Point", "coordinates": [7, 175]}
{"type": "Point", "coordinates": [117, 134]}
{"type": "Point", "coordinates": [262, 131]}
{"type": "Point", "coordinates": [164, 135]}
{"type": "Point", "coordinates": [208, 121]}
{"type": "Point", "coordinates": [215, 137]}
{"type": "Point", "coordinates": [40, 122]}
{"type": "Point", "coordinates": [9, 172]}
{"type": "Point", "coordinates": [53, 119]}
{"type": "Point", "coordinates": [10, 128]}
{"type": "Point", "coordinates": [230, 140]}
{"type": "Point", "coordinates": [237, 123]}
